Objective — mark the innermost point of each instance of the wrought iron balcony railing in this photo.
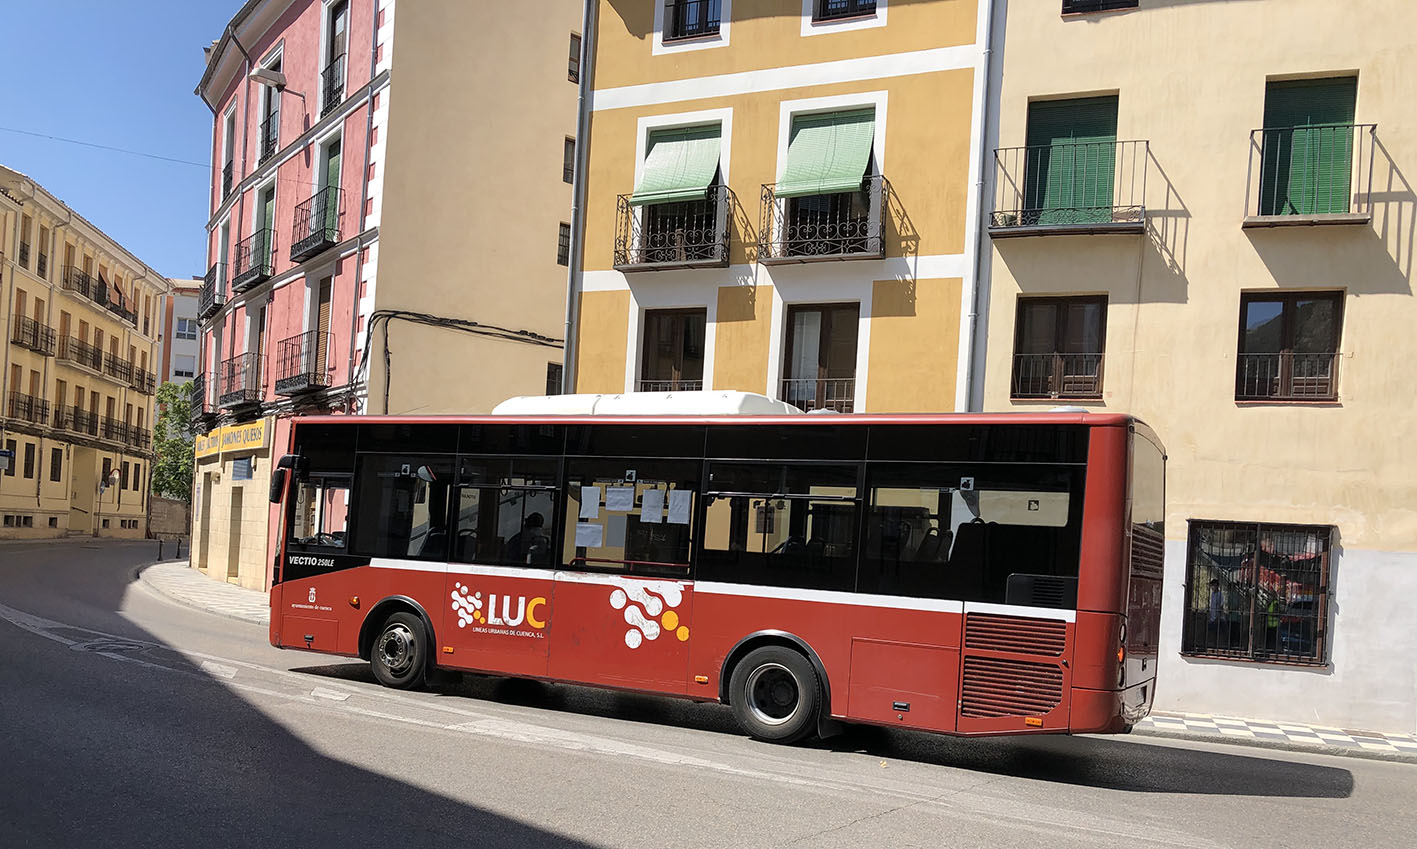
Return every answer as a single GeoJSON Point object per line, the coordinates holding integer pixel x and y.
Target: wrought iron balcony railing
{"type": "Point", "coordinates": [690, 19]}
{"type": "Point", "coordinates": [27, 408]}
{"type": "Point", "coordinates": [833, 393]}
{"type": "Point", "coordinates": [143, 380]}
{"type": "Point", "coordinates": [75, 420]}
{"type": "Point", "coordinates": [301, 363]}
{"type": "Point", "coordinates": [1311, 175]}
{"type": "Point", "coordinates": [316, 224]}
{"type": "Point", "coordinates": [139, 437]}
{"type": "Point", "coordinates": [254, 260]}
{"type": "Point", "coordinates": [269, 138]}
{"type": "Point", "coordinates": [41, 265]}
{"type": "Point", "coordinates": [1057, 375]}
{"type": "Point", "coordinates": [213, 295]}
{"type": "Point", "coordinates": [686, 234]}
{"type": "Point", "coordinates": [113, 430]}
{"type": "Point", "coordinates": [332, 85]}
{"type": "Point", "coordinates": [1089, 187]}
{"type": "Point", "coordinates": [30, 334]}
{"type": "Point", "coordinates": [200, 409]}
{"type": "Point", "coordinates": [77, 351]}
{"type": "Point", "coordinates": [75, 279]}
{"type": "Point", "coordinates": [228, 172]}
{"type": "Point", "coordinates": [1072, 7]}
{"type": "Point", "coordinates": [846, 225]}
{"type": "Point", "coordinates": [671, 385]}
{"type": "Point", "coordinates": [24, 253]}
{"type": "Point", "coordinates": [1287, 376]}
{"type": "Point", "coordinates": [117, 307]}
{"type": "Point", "coordinates": [831, 10]}
{"type": "Point", "coordinates": [240, 381]}
{"type": "Point", "coordinates": [118, 368]}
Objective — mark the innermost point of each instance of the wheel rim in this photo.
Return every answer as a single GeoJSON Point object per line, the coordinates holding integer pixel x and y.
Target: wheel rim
{"type": "Point", "coordinates": [773, 694]}
{"type": "Point", "coordinates": [396, 649]}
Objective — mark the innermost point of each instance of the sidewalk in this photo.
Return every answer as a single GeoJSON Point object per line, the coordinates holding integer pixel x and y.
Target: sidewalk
{"type": "Point", "coordinates": [188, 586]}
{"type": "Point", "coordinates": [185, 585]}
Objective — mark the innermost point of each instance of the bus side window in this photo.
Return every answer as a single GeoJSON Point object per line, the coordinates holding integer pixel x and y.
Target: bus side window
{"type": "Point", "coordinates": [779, 524]}
{"type": "Point", "coordinates": [321, 515]}
{"type": "Point", "coordinates": [401, 506]}
{"type": "Point", "coordinates": [630, 515]}
{"type": "Point", "coordinates": [505, 511]}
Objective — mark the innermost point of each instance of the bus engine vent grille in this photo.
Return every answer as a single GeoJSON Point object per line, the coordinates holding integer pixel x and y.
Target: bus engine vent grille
{"type": "Point", "coordinates": [1015, 634]}
{"type": "Point", "coordinates": [1148, 552]}
{"type": "Point", "coordinates": [996, 688]}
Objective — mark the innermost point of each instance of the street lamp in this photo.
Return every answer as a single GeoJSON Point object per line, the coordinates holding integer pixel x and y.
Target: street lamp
{"type": "Point", "coordinates": [273, 78]}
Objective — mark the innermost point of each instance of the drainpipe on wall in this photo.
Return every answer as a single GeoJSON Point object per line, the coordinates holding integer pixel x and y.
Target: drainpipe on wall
{"type": "Point", "coordinates": [973, 399]}
{"type": "Point", "coordinates": [364, 203]}
{"type": "Point", "coordinates": [583, 107]}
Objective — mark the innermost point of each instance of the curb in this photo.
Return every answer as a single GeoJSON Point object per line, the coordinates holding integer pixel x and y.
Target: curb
{"type": "Point", "coordinates": [1275, 745]}
{"type": "Point", "coordinates": [140, 574]}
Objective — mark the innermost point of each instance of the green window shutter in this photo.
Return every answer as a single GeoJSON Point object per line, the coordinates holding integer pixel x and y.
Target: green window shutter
{"type": "Point", "coordinates": [828, 153]}
{"type": "Point", "coordinates": [679, 166]}
{"type": "Point", "coordinates": [1070, 161]}
{"type": "Point", "coordinates": [1307, 158]}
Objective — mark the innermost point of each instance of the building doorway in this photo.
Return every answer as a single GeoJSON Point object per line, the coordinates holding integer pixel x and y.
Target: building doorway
{"type": "Point", "coordinates": [233, 541]}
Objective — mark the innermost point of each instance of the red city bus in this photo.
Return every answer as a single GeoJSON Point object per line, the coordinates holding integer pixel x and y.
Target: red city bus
{"type": "Point", "coordinates": [965, 574]}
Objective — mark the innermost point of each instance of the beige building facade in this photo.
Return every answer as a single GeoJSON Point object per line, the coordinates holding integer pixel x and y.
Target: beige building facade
{"type": "Point", "coordinates": [1204, 217]}
{"type": "Point", "coordinates": [82, 320]}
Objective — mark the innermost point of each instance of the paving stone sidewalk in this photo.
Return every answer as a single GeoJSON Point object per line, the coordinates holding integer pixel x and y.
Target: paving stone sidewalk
{"type": "Point", "coordinates": [1281, 735]}
{"type": "Point", "coordinates": [178, 581]}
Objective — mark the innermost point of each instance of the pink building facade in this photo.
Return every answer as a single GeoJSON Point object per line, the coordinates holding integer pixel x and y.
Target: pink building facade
{"type": "Point", "coordinates": [299, 93]}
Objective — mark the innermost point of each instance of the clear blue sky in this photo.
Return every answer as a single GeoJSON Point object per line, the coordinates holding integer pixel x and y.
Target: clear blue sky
{"type": "Point", "coordinates": [118, 73]}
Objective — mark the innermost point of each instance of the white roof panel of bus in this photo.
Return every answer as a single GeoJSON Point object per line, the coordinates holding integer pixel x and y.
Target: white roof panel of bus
{"type": "Point", "coordinates": [711, 402]}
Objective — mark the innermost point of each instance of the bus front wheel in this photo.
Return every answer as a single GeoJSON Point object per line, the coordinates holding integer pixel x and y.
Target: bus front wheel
{"type": "Point", "coordinates": [775, 694]}
{"type": "Point", "coordinates": [399, 655]}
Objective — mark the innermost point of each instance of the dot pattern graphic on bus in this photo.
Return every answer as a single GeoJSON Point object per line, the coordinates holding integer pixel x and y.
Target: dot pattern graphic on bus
{"type": "Point", "coordinates": [649, 613]}
{"type": "Point", "coordinates": [468, 607]}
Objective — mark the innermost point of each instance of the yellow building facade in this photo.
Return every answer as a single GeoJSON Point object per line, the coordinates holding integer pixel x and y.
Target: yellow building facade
{"type": "Point", "coordinates": [780, 197]}
{"type": "Point", "coordinates": [1204, 217]}
{"type": "Point", "coordinates": [82, 319]}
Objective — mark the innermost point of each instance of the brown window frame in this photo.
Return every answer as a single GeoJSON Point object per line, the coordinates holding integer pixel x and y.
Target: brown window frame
{"type": "Point", "coordinates": [1230, 626]}
{"type": "Point", "coordinates": [1287, 390]}
{"type": "Point", "coordinates": [822, 398]}
{"type": "Point", "coordinates": [1057, 379]}
{"type": "Point", "coordinates": [677, 382]}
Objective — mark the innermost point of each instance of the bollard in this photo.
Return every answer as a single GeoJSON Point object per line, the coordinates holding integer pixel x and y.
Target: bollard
{"type": "Point", "coordinates": [179, 548]}
{"type": "Point", "coordinates": [159, 549]}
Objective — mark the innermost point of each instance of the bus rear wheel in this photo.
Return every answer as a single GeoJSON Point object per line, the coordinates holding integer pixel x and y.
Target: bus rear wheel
{"type": "Point", "coordinates": [399, 656]}
{"type": "Point", "coordinates": [775, 694]}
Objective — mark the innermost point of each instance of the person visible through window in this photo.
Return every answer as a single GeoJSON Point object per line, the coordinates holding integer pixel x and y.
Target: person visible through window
{"type": "Point", "coordinates": [530, 543]}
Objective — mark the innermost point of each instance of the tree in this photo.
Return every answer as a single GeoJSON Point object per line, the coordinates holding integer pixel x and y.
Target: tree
{"type": "Point", "coordinates": [172, 443]}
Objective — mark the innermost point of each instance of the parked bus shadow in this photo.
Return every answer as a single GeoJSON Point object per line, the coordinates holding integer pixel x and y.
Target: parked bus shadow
{"type": "Point", "coordinates": [1134, 764]}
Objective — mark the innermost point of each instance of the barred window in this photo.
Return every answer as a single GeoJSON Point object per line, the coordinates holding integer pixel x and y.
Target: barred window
{"type": "Point", "coordinates": [1257, 591]}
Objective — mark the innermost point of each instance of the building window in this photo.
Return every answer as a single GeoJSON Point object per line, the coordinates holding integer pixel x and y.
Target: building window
{"type": "Point", "coordinates": [10, 451]}
{"type": "Point", "coordinates": [568, 161]}
{"type": "Point", "coordinates": [563, 245]}
{"type": "Point", "coordinates": [573, 69]}
{"type": "Point", "coordinates": [186, 328]}
{"type": "Point", "coordinates": [25, 225]}
{"type": "Point", "coordinates": [332, 77]}
{"type": "Point", "coordinates": [1289, 347]}
{"type": "Point", "coordinates": [1257, 591]}
{"type": "Point", "coordinates": [673, 215]}
{"type": "Point", "coordinates": [53, 521]}
{"type": "Point", "coordinates": [819, 370]}
{"type": "Point", "coordinates": [828, 201]}
{"type": "Point", "coordinates": [137, 476]}
{"type": "Point", "coordinates": [241, 469]}
{"type": "Point", "coordinates": [42, 265]}
{"type": "Point", "coordinates": [1070, 162]}
{"type": "Point", "coordinates": [553, 378]}
{"type": "Point", "coordinates": [123, 476]}
{"type": "Point", "coordinates": [1071, 7]}
{"type": "Point", "coordinates": [1058, 345]}
{"type": "Point", "coordinates": [29, 459]}
{"type": "Point", "coordinates": [56, 464]}
{"type": "Point", "coordinates": [832, 10]}
{"type": "Point", "coordinates": [672, 358]}
{"type": "Point", "coordinates": [184, 365]}
{"type": "Point", "coordinates": [691, 18]}
{"type": "Point", "coordinates": [1306, 163]}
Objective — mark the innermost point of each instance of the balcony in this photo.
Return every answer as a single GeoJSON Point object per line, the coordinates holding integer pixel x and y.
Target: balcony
{"type": "Point", "coordinates": [139, 438]}
{"type": "Point", "coordinates": [1287, 376]}
{"type": "Point", "coordinates": [227, 174]}
{"type": "Point", "coordinates": [80, 282]}
{"type": "Point", "coordinates": [30, 334]}
{"type": "Point", "coordinates": [835, 10]}
{"type": "Point", "coordinates": [200, 413]}
{"type": "Point", "coordinates": [116, 307]}
{"type": "Point", "coordinates": [1059, 189]}
{"type": "Point", "coordinates": [24, 253]}
{"type": "Point", "coordinates": [1056, 376]}
{"type": "Point", "coordinates": [240, 382]}
{"type": "Point", "coordinates": [27, 408]}
{"type": "Point", "coordinates": [300, 363]}
{"type": "Point", "coordinates": [143, 380]}
{"type": "Point", "coordinates": [1310, 175]}
{"type": "Point", "coordinates": [81, 353]}
{"type": "Point", "coordinates": [671, 385]}
{"type": "Point", "coordinates": [807, 394]}
{"type": "Point", "coordinates": [846, 225]}
{"type": "Point", "coordinates": [316, 224]}
{"type": "Point", "coordinates": [75, 420]}
{"type": "Point", "coordinates": [113, 430]}
{"type": "Point", "coordinates": [41, 266]}
{"type": "Point", "coordinates": [687, 19]}
{"type": "Point", "coordinates": [685, 234]}
{"type": "Point", "coordinates": [117, 368]}
{"type": "Point", "coordinates": [253, 264]}
{"type": "Point", "coordinates": [332, 85]}
{"type": "Point", "coordinates": [269, 137]}
{"type": "Point", "coordinates": [213, 295]}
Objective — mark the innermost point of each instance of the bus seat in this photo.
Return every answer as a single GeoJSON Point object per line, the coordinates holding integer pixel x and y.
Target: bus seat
{"type": "Point", "coordinates": [967, 560]}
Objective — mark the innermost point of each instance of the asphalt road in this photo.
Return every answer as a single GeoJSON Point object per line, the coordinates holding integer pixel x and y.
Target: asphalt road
{"type": "Point", "coordinates": [127, 720]}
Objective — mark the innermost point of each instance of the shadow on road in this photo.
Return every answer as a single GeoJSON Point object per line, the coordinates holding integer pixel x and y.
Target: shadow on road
{"type": "Point", "coordinates": [101, 750]}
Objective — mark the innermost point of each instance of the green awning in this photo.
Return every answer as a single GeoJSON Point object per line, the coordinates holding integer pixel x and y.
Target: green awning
{"type": "Point", "coordinates": [828, 153]}
{"type": "Point", "coordinates": [679, 166]}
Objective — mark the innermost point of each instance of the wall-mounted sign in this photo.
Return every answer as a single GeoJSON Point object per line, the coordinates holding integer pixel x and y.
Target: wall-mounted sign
{"type": "Point", "coordinates": [233, 439]}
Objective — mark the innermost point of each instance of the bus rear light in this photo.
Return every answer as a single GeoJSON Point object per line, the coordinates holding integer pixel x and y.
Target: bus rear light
{"type": "Point", "coordinates": [1033, 721]}
{"type": "Point", "coordinates": [1121, 654]}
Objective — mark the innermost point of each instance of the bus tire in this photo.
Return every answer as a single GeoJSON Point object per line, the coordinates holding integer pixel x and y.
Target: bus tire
{"type": "Point", "coordinates": [399, 655]}
{"type": "Point", "coordinates": [775, 694]}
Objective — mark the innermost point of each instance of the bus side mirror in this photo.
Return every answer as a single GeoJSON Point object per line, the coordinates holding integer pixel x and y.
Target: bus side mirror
{"type": "Point", "coordinates": [278, 484]}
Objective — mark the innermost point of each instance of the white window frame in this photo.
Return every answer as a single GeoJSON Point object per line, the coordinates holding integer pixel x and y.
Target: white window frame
{"type": "Point", "coordinates": [277, 55]}
{"type": "Point", "coordinates": [659, 48]}
{"type": "Point", "coordinates": [325, 47]}
{"type": "Point", "coordinates": [814, 27]}
{"type": "Point", "coordinates": [177, 365]}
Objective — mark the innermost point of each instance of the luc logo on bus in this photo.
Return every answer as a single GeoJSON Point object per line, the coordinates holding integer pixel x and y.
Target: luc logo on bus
{"type": "Point", "coordinates": [504, 611]}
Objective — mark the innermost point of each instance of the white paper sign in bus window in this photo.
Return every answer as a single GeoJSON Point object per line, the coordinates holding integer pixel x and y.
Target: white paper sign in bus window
{"type": "Point", "coordinates": [590, 502]}
{"type": "Point", "coordinates": [679, 501]}
{"type": "Point", "coordinates": [619, 499]}
{"type": "Point", "coordinates": [652, 506]}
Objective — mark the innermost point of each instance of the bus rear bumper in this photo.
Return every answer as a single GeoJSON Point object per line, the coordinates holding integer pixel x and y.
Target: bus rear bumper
{"type": "Point", "coordinates": [1097, 712]}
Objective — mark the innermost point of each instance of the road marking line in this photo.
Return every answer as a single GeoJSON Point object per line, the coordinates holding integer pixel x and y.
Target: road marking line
{"type": "Point", "coordinates": [220, 670]}
{"type": "Point", "coordinates": [332, 695]}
